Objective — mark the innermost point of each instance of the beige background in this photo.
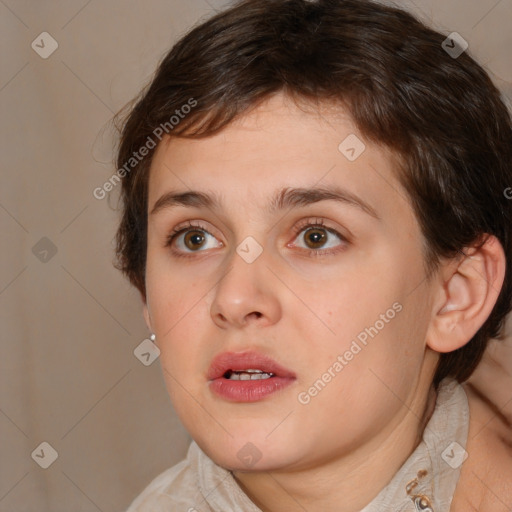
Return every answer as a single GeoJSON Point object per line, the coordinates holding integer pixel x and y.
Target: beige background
{"type": "Point", "coordinates": [70, 325]}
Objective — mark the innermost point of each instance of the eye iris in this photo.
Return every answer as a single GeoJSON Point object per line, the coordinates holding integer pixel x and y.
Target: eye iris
{"type": "Point", "coordinates": [316, 236]}
{"type": "Point", "coordinates": [195, 237]}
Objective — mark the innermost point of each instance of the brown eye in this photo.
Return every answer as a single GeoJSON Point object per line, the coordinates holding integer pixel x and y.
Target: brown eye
{"type": "Point", "coordinates": [315, 237]}
{"type": "Point", "coordinates": [193, 239]}
{"type": "Point", "coordinates": [319, 240]}
{"type": "Point", "coordinates": [185, 241]}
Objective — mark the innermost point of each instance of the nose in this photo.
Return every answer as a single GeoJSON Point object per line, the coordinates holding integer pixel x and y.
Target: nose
{"type": "Point", "coordinates": [247, 293]}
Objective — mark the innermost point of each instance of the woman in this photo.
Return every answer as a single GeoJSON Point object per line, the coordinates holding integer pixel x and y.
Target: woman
{"type": "Point", "coordinates": [315, 215]}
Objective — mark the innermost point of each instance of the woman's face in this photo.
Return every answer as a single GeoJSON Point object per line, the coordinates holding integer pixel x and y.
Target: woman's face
{"type": "Point", "coordinates": [330, 287]}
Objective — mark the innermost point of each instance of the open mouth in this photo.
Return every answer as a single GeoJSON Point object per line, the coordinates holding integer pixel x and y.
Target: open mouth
{"type": "Point", "coordinates": [249, 374]}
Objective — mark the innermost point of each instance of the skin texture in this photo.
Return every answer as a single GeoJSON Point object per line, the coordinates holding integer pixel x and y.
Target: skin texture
{"type": "Point", "coordinates": [340, 449]}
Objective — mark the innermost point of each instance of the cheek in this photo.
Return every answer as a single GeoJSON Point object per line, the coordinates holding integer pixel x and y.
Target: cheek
{"type": "Point", "coordinates": [172, 292]}
{"type": "Point", "coordinates": [348, 303]}
{"type": "Point", "coordinates": [373, 320]}
{"type": "Point", "coordinates": [176, 305]}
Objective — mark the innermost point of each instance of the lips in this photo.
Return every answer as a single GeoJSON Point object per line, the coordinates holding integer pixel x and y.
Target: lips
{"type": "Point", "coordinates": [258, 377]}
{"type": "Point", "coordinates": [237, 362]}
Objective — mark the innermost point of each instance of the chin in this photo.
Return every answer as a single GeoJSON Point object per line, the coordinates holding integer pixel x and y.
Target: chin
{"type": "Point", "coordinates": [250, 453]}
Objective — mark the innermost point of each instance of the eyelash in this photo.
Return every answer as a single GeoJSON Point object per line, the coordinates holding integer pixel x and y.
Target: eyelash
{"type": "Point", "coordinates": [319, 223]}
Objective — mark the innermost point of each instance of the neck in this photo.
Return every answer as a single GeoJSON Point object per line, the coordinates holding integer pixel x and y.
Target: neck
{"type": "Point", "coordinates": [349, 483]}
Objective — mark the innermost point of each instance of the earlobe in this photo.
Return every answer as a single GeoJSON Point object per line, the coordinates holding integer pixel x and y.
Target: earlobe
{"type": "Point", "coordinates": [467, 296]}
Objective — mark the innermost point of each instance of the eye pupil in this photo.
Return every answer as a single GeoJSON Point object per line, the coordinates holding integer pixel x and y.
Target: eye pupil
{"type": "Point", "coordinates": [195, 237]}
{"type": "Point", "coordinates": [316, 236]}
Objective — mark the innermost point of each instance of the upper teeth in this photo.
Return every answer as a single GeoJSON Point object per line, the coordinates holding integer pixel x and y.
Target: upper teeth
{"type": "Point", "coordinates": [249, 374]}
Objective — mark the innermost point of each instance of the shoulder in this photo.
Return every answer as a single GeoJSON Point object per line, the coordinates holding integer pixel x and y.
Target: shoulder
{"type": "Point", "coordinates": [174, 489]}
{"type": "Point", "coordinates": [485, 483]}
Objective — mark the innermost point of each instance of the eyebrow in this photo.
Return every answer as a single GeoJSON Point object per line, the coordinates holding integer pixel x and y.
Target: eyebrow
{"type": "Point", "coordinates": [285, 198]}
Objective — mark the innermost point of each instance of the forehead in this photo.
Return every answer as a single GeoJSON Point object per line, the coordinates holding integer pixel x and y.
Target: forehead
{"type": "Point", "coordinates": [278, 145]}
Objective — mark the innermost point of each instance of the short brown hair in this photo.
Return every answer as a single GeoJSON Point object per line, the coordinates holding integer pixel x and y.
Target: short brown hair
{"type": "Point", "coordinates": [442, 116]}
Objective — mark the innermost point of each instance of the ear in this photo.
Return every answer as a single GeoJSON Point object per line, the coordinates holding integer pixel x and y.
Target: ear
{"type": "Point", "coordinates": [467, 294]}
